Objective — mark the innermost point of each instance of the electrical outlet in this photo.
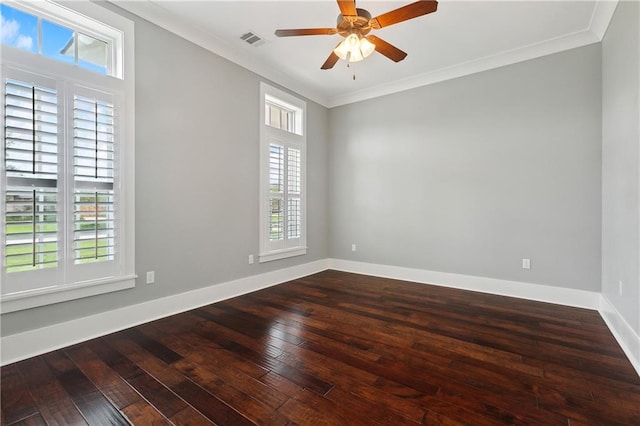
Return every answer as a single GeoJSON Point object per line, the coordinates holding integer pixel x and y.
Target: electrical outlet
{"type": "Point", "coordinates": [526, 263]}
{"type": "Point", "coordinates": [251, 259]}
{"type": "Point", "coordinates": [620, 287]}
{"type": "Point", "coordinates": [353, 247]}
{"type": "Point", "coordinates": [151, 277]}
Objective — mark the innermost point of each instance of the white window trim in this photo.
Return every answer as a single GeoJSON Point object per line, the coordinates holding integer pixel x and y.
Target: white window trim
{"type": "Point", "coordinates": [123, 70]}
{"type": "Point", "coordinates": [267, 134]}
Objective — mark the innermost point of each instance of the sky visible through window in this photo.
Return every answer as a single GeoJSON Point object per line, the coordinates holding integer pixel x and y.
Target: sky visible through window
{"type": "Point", "coordinates": [20, 30]}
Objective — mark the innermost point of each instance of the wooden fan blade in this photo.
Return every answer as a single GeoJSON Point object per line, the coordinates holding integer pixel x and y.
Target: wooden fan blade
{"type": "Point", "coordinates": [306, 32]}
{"type": "Point", "coordinates": [347, 7]}
{"type": "Point", "coordinates": [330, 62]}
{"type": "Point", "coordinates": [404, 13]}
{"type": "Point", "coordinates": [388, 50]}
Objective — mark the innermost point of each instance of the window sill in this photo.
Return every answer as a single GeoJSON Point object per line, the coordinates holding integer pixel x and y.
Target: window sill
{"type": "Point", "coordinates": [282, 254]}
{"type": "Point", "coordinates": [47, 296]}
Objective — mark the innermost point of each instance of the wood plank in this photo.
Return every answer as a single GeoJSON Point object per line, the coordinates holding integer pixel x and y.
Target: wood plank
{"type": "Point", "coordinates": [154, 347]}
{"type": "Point", "coordinates": [95, 408]}
{"type": "Point", "coordinates": [374, 412]}
{"type": "Point", "coordinates": [317, 365]}
{"type": "Point", "coordinates": [33, 420]}
{"type": "Point", "coordinates": [210, 406]}
{"type": "Point", "coordinates": [119, 392]}
{"type": "Point", "coordinates": [54, 404]}
{"type": "Point", "coordinates": [17, 403]}
{"type": "Point", "coordinates": [152, 390]}
{"type": "Point", "coordinates": [190, 416]}
{"type": "Point", "coordinates": [250, 405]}
{"type": "Point", "coordinates": [142, 413]}
{"type": "Point", "coordinates": [586, 411]}
{"type": "Point", "coordinates": [155, 367]}
{"type": "Point", "coordinates": [270, 362]}
{"type": "Point", "coordinates": [312, 409]}
{"type": "Point", "coordinates": [281, 385]}
{"type": "Point", "coordinates": [203, 374]}
{"type": "Point", "coordinates": [192, 345]}
{"type": "Point", "coordinates": [115, 360]}
{"type": "Point", "coordinates": [166, 401]}
{"type": "Point", "coordinates": [502, 408]}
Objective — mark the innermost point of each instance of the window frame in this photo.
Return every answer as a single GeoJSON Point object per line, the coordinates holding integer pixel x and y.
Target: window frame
{"type": "Point", "coordinates": [297, 139]}
{"type": "Point", "coordinates": [62, 283]}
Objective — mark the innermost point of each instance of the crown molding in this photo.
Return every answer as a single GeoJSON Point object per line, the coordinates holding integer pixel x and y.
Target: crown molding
{"type": "Point", "coordinates": [602, 14]}
{"type": "Point", "coordinates": [155, 13]}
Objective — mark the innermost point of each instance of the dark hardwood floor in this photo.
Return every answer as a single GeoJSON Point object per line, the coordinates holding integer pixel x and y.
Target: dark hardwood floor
{"type": "Point", "coordinates": [341, 349]}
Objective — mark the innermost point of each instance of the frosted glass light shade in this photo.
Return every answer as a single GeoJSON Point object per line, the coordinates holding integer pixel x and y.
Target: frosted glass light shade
{"type": "Point", "coordinates": [355, 54]}
{"type": "Point", "coordinates": [354, 49]}
{"type": "Point", "coordinates": [366, 47]}
{"type": "Point", "coordinates": [342, 50]}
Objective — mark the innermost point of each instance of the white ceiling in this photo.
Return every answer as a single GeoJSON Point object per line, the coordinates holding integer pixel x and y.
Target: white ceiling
{"type": "Point", "coordinates": [460, 38]}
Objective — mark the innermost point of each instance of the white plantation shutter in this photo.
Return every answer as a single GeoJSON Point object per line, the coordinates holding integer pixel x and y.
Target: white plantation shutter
{"type": "Point", "coordinates": [31, 165]}
{"type": "Point", "coordinates": [31, 130]}
{"type": "Point", "coordinates": [285, 193]}
{"type": "Point", "coordinates": [31, 227]}
{"type": "Point", "coordinates": [276, 193]}
{"type": "Point", "coordinates": [294, 205]}
{"type": "Point", "coordinates": [93, 171]}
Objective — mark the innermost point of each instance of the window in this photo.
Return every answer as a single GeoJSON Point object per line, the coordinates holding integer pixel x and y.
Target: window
{"type": "Point", "coordinates": [67, 175]}
{"type": "Point", "coordinates": [282, 175]}
{"type": "Point", "coordinates": [58, 33]}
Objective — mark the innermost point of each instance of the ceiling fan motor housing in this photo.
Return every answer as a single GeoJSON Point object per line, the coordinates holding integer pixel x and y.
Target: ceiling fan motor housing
{"type": "Point", "coordinates": [354, 24]}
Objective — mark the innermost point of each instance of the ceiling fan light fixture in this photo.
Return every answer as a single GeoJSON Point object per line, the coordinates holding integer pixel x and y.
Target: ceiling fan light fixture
{"type": "Point", "coordinates": [354, 48]}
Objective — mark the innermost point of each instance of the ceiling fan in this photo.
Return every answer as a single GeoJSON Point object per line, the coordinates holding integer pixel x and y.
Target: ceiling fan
{"type": "Point", "coordinates": [354, 24]}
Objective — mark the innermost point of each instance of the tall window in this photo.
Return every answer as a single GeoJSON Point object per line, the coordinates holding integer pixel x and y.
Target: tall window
{"type": "Point", "coordinates": [67, 175]}
{"type": "Point", "coordinates": [282, 175]}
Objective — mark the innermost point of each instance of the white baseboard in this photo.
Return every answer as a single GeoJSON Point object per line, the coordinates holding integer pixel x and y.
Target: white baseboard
{"type": "Point", "coordinates": [628, 340]}
{"type": "Point", "coordinates": [20, 346]}
{"type": "Point", "coordinates": [522, 290]}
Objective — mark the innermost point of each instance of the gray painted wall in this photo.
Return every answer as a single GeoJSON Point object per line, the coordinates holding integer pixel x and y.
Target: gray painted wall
{"type": "Point", "coordinates": [621, 162]}
{"type": "Point", "coordinates": [471, 175]}
{"type": "Point", "coordinates": [197, 149]}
